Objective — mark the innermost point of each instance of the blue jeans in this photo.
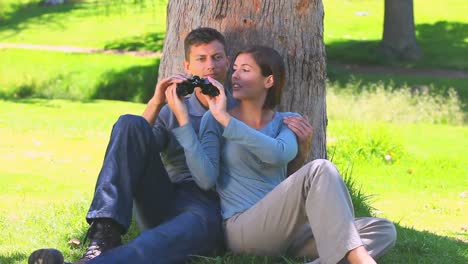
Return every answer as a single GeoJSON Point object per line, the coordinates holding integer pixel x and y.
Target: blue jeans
{"type": "Point", "coordinates": [183, 220]}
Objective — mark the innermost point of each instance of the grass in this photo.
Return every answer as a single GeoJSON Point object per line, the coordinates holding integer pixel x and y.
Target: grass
{"type": "Point", "coordinates": [400, 141]}
{"type": "Point", "coordinates": [53, 163]}
{"type": "Point", "coordinates": [54, 150]}
{"type": "Point", "coordinates": [429, 183]}
{"type": "Point", "coordinates": [404, 150]}
{"type": "Point", "coordinates": [376, 101]}
{"type": "Point", "coordinates": [344, 79]}
{"type": "Point", "coordinates": [76, 76]}
{"type": "Point", "coordinates": [82, 23]}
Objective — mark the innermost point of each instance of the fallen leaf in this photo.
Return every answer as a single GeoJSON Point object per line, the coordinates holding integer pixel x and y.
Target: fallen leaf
{"type": "Point", "coordinates": [74, 242]}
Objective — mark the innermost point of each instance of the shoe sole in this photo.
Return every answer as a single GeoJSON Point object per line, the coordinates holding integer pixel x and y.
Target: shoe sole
{"type": "Point", "coordinates": [46, 256]}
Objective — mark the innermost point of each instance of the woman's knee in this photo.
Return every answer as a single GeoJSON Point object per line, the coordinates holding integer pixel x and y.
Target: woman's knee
{"type": "Point", "coordinates": [379, 229]}
{"type": "Point", "coordinates": [389, 232]}
{"type": "Point", "coordinates": [322, 168]}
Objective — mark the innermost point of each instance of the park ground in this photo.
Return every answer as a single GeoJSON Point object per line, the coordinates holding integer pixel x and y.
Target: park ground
{"type": "Point", "coordinates": [397, 130]}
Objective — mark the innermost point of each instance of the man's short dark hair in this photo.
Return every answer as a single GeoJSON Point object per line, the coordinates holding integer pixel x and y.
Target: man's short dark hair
{"type": "Point", "coordinates": [202, 35]}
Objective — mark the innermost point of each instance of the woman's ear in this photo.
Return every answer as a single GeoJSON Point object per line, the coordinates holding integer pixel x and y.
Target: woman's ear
{"type": "Point", "coordinates": [269, 81]}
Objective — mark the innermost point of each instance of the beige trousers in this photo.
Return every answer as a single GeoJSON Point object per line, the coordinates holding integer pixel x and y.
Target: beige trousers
{"type": "Point", "coordinates": [308, 214]}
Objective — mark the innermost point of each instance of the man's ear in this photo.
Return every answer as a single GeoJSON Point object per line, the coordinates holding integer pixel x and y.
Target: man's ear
{"type": "Point", "coordinates": [187, 67]}
{"type": "Point", "coordinates": [269, 81]}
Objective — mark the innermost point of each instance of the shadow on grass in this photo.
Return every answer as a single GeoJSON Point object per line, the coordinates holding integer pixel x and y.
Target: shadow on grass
{"type": "Point", "coordinates": [149, 42]}
{"type": "Point", "coordinates": [22, 14]}
{"type": "Point", "coordinates": [133, 84]}
{"type": "Point", "coordinates": [443, 44]}
{"type": "Point", "coordinates": [415, 246]}
{"type": "Point", "coordinates": [13, 258]}
{"type": "Point", "coordinates": [412, 246]}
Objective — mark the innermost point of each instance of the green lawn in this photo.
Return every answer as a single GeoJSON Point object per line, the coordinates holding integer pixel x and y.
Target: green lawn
{"type": "Point", "coordinates": [51, 150]}
{"type": "Point", "coordinates": [54, 149]}
{"type": "Point", "coordinates": [348, 80]}
{"type": "Point", "coordinates": [424, 184]}
{"type": "Point", "coordinates": [76, 76]}
{"type": "Point", "coordinates": [50, 154]}
{"type": "Point", "coordinates": [83, 24]}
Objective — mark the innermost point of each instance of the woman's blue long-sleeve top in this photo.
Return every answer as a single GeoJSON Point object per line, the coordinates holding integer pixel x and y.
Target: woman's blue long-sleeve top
{"type": "Point", "coordinates": [244, 163]}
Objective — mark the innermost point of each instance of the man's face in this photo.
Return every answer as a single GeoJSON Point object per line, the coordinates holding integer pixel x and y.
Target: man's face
{"type": "Point", "coordinates": [208, 60]}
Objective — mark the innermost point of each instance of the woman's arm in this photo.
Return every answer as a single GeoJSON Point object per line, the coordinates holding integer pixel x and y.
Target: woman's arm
{"type": "Point", "coordinates": [202, 158]}
{"type": "Point", "coordinates": [278, 151]}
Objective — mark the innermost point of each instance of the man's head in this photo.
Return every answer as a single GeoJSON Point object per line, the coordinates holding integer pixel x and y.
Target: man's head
{"type": "Point", "coordinates": [205, 54]}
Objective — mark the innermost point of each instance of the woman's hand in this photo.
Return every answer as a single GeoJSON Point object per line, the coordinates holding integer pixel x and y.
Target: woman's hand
{"type": "Point", "coordinates": [218, 104]}
{"type": "Point", "coordinates": [177, 104]}
{"type": "Point", "coordinates": [304, 131]}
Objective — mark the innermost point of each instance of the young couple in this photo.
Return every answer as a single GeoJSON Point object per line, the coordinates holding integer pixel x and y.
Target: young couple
{"type": "Point", "coordinates": [164, 166]}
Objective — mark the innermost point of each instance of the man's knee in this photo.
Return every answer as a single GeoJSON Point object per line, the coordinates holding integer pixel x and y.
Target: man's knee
{"type": "Point", "coordinates": [130, 121]}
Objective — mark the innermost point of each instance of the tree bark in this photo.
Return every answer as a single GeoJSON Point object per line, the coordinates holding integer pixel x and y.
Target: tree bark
{"type": "Point", "coordinates": [293, 27]}
{"type": "Point", "coordinates": [399, 37]}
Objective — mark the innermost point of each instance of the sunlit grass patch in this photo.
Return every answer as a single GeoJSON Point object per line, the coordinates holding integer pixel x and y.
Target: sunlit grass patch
{"type": "Point", "coordinates": [81, 23]}
{"type": "Point", "coordinates": [376, 102]}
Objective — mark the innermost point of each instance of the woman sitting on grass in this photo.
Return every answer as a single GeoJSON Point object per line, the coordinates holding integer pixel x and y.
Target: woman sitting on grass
{"type": "Point", "coordinates": [245, 152]}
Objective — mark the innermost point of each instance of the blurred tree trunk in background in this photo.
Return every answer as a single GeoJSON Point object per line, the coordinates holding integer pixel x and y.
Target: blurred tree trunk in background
{"type": "Point", "coordinates": [399, 37]}
{"type": "Point", "coordinates": [53, 2]}
{"type": "Point", "coordinates": [293, 27]}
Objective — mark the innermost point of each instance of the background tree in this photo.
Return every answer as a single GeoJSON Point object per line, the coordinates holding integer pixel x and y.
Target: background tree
{"type": "Point", "coordinates": [53, 2]}
{"type": "Point", "coordinates": [293, 27]}
{"type": "Point", "coordinates": [399, 37]}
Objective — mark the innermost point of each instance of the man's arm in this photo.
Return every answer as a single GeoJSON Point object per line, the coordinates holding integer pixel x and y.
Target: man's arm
{"type": "Point", "coordinates": [152, 111]}
{"type": "Point", "coordinates": [158, 100]}
{"type": "Point", "coordinates": [304, 131]}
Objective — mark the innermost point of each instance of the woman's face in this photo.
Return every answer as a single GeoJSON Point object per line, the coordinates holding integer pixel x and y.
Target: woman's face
{"type": "Point", "coordinates": [248, 83]}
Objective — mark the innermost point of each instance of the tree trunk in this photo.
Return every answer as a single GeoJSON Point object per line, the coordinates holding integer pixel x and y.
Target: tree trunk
{"type": "Point", "coordinates": [293, 27]}
{"type": "Point", "coordinates": [53, 2]}
{"type": "Point", "coordinates": [399, 38]}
